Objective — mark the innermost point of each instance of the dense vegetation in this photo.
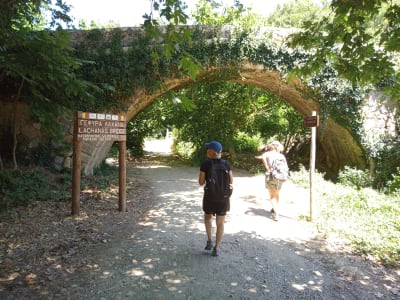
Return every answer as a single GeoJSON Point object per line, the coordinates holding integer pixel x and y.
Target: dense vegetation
{"type": "Point", "coordinates": [365, 219]}
{"type": "Point", "coordinates": [100, 74]}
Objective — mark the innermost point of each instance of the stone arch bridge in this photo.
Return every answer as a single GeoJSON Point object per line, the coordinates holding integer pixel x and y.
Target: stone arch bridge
{"type": "Point", "coordinates": [335, 144]}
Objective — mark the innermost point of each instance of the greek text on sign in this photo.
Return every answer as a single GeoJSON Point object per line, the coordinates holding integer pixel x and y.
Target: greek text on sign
{"type": "Point", "coordinates": [100, 127]}
{"type": "Point", "coordinates": [100, 124]}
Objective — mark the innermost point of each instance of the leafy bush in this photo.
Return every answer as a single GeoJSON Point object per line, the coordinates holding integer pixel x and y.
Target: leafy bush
{"type": "Point", "coordinates": [365, 217]}
{"type": "Point", "coordinates": [183, 149]}
{"type": "Point", "coordinates": [386, 163]}
{"type": "Point", "coordinates": [394, 185]}
{"type": "Point", "coordinates": [18, 187]}
{"type": "Point", "coordinates": [104, 176]}
{"type": "Point", "coordinates": [354, 178]}
{"type": "Point", "coordinates": [302, 177]}
{"type": "Point", "coordinates": [244, 143]}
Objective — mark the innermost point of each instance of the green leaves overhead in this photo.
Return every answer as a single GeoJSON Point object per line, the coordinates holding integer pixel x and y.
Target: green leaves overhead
{"type": "Point", "coordinates": [293, 14]}
{"type": "Point", "coordinates": [37, 65]}
{"type": "Point", "coordinates": [359, 39]}
{"type": "Point", "coordinates": [188, 65]}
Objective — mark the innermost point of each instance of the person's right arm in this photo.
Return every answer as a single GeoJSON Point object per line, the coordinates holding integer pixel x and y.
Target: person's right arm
{"type": "Point", "coordinates": [266, 162]}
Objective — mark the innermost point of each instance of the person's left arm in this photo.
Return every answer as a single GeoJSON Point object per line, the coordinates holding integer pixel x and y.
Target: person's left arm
{"type": "Point", "coordinates": [202, 177]}
{"type": "Point", "coordinates": [231, 180]}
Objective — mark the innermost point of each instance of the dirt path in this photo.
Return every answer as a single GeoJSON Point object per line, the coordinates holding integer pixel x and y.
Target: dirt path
{"type": "Point", "coordinates": [160, 255]}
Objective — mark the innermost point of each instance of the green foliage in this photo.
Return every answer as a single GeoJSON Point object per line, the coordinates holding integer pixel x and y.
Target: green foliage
{"type": "Point", "coordinates": [172, 36]}
{"type": "Point", "coordinates": [215, 13]}
{"type": "Point", "coordinates": [355, 178]}
{"type": "Point", "coordinates": [136, 131]}
{"type": "Point", "coordinates": [302, 177]}
{"type": "Point", "coordinates": [20, 188]}
{"type": "Point", "coordinates": [150, 122]}
{"type": "Point", "coordinates": [278, 120]}
{"type": "Point", "coordinates": [361, 42]}
{"type": "Point", "coordinates": [104, 176]}
{"type": "Point", "coordinates": [296, 12]}
{"type": "Point", "coordinates": [29, 14]}
{"type": "Point", "coordinates": [184, 149]}
{"type": "Point", "coordinates": [386, 161]}
{"type": "Point", "coordinates": [41, 79]}
{"type": "Point", "coordinates": [115, 72]}
{"type": "Point", "coordinates": [244, 143]}
{"type": "Point", "coordinates": [365, 217]}
{"type": "Point", "coordinates": [37, 64]}
{"type": "Point", "coordinates": [338, 99]}
{"type": "Point", "coordinates": [231, 110]}
{"type": "Point", "coordinates": [394, 184]}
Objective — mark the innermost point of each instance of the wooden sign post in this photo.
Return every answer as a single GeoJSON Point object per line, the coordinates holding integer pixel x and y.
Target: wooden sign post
{"type": "Point", "coordinates": [98, 127]}
{"type": "Point", "coordinates": [312, 122]}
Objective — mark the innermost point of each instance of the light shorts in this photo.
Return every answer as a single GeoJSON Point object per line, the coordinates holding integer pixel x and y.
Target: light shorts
{"type": "Point", "coordinates": [273, 184]}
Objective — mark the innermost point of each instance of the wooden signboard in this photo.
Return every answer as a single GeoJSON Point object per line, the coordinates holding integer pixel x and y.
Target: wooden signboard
{"type": "Point", "coordinates": [312, 121]}
{"type": "Point", "coordinates": [98, 127]}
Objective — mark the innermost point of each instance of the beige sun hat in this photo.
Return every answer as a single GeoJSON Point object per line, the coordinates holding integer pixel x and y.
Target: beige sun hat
{"type": "Point", "coordinates": [278, 145]}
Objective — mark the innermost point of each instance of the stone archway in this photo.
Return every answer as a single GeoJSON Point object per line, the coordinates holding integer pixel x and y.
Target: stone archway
{"type": "Point", "coordinates": [335, 142]}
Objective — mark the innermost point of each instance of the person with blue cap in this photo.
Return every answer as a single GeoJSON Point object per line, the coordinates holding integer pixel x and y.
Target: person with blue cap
{"type": "Point", "coordinates": [217, 176]}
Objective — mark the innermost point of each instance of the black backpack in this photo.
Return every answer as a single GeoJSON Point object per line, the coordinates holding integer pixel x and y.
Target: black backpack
{"type": "Point", "coordinates": [217, 182]}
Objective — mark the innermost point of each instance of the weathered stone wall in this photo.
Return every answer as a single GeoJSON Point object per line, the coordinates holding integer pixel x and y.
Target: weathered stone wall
{"type": "Point", "coordinates": [17, 114]}
{"type": "Point", "coordinates": [14, 117]}
{"type": "Point", "coordinates": [379, 118]}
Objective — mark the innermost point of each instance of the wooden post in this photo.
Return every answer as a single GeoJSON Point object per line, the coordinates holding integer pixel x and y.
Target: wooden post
{"type": "Point", "coordinates": [76, 171]}
{"type": "Point", "coordinates": [94, 127]}
{"type": "Point", "coordinates": [122, 176]}
{"type": "Point", "coordinates": [312, 163]}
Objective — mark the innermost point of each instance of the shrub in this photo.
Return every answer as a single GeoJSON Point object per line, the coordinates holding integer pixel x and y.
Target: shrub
{"type": "Point", "coordinates": [354, 178]}
{"type": "Point", "coordinates": [22, 187]}
{"type": "Point", "coordinates": [386, 163]}
{"type": "Point", "coordinates": [302, 177]}
{"type": "Point", "coordinates": [244, 143]}
{"type": "Point", "coordinates": [184, 149]}
{"type": "Point", "coordinates": [365, 217]}
{"type": "Point", "coordinates": [394, 184]}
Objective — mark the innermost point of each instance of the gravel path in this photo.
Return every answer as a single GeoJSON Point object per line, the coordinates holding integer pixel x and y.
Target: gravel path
{"type": "Point", "coordinates": [261, 259]}
{"type": "Point", "coordinates": [161, 256]}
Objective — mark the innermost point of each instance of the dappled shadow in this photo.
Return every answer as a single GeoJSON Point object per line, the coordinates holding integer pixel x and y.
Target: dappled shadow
{"type": "Point", "coordinates": [160, 255]}
{"type": "Point", "coordinates": [259, 212]}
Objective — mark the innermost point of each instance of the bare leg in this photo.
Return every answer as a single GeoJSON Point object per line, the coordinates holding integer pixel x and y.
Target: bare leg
{"type": "Point", "coordinates": [220, 230]}
{"type": "Point", "coordinates": [208, 225]}
{"type": "Point", "coordinates": [274, 199]}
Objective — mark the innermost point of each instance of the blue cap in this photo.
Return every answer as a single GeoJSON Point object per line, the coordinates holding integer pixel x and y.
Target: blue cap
{"type": "Point", "coordinates": [216, 146]}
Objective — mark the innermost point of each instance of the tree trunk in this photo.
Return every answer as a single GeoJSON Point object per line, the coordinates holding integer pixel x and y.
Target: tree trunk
{"type": "Point", "coordinates": [15, 140]}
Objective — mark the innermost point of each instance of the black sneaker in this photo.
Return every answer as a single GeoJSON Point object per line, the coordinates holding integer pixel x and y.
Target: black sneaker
{"type": "Point", "coordinates": [209, 245]}
{"type": "Point", "coordinates": [215, 252]}
{"type": "Point", "coordinates": [272, 211]}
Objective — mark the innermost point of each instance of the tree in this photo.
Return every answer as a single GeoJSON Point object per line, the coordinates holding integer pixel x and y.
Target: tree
{"type": "Point", "coordinates": [294, 13]}
{"type": "Point", "coordinates": [211, 12]}
{"type": "Point", "coordinates": [36, 63]}
{"type": "Point", "coordinates": [359, 39]}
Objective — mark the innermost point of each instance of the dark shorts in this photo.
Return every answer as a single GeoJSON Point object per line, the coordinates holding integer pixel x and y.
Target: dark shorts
{"type": "Point", "coordinates": [219, 208]}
